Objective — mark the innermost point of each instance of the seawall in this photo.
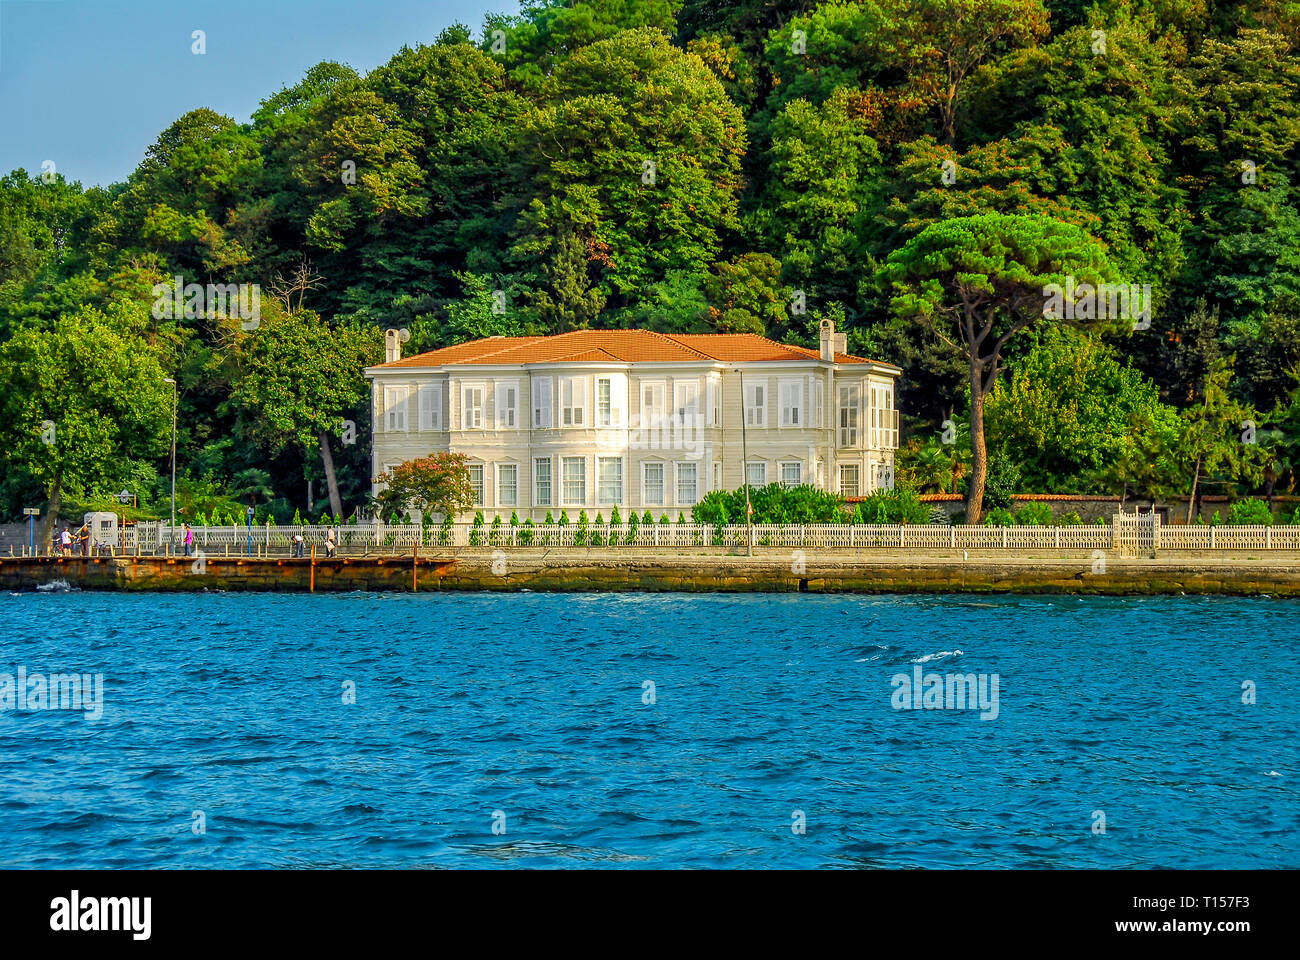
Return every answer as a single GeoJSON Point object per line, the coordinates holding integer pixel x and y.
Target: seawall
{"type": "Point", "coordinates": [582, 570]}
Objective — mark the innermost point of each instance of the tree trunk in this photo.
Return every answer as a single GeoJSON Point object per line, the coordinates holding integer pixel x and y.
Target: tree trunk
{"type": "Point", "coordinates": [978, 450]}
{"type": "Point", "coordinates": [327, 458]}
{"type": "Point", "coordinates": [1191, 500]}
{"type": "Point", "coordinates": [44, 537]}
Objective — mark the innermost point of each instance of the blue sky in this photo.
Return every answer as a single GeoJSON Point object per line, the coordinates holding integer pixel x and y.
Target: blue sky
{"type": "Point", "coordinates": [90, 84]}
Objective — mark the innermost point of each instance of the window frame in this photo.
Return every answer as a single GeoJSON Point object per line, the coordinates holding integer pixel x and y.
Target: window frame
{"type": "Point", "coordinates": [565, 500]}
{"type": "Point", "coordinates": [501, 469]}
{"type": "Point", "coordinates": [600, 481]}
{"type": "Point", "coordinates": [645, 483]}
{"type": "Point", "coordinates": [681, 501]}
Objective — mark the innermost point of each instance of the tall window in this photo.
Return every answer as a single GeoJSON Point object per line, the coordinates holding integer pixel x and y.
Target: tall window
{"type": "Point", "coordinates": [395, 407]}
{"type": "Point", "coordinates": [791, 403]}
{"type": "Point", "coordinates": [476, 482]}
{"type": "Point", "coordinates": [849, 415]}
{"type": "Point", "coordinates": [507, 404]}
{"type": "Point", "coordinates": [652, 404]}
{"type": "Point", "coordinates": [792, 473]}
{"type": "Point", "coordinates": [756, 473]}
{"type": "Point", "coordinates": [849, 485]}
{"type": "Point", "coordinates": [472, 408]}
{"type": "Point", "coordinates": [542, 402]}
{"type": "Point", "coordinates": [430, 403]}
{"type": "Point", "coordinates": [507, 485]}
{"type": "Point", "coordinates": [819, 404]}
{"type": "Point", "coordinates": [755, 405]}
{"type": "Point", "coordinates": [609, 480]}
{"type": "Point", "coordinates": [654, 484]}
{"type": "Point", "coordinates": [575, 480]}
{"type": "Point", "coordinates": [686, 402]}
{"type": "Point", "coordinates": [573, 400]}
{"type": "Point", "coordinates": [687, 483]}
{"type": "Point", "coordinates": [542, 481]}
{"type": "Point", "coordinates": [604, 403]}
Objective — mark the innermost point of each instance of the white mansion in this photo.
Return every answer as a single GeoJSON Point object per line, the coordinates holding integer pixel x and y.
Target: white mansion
{"type": "Point", "coordinates": [639, 420]}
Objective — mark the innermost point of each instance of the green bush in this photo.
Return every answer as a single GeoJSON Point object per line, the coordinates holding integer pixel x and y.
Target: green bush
{"type": "Point", "coordinates": [526, 534]}
{"type": "Point", "coordinates": [580, 535]}
{"type": "Point", "coordinates": [939, 517]}
{"type": "Point", "coordinates": [1002, 482]}
{"type": "Point", "coordinates": [1034, 515]}
{"type": "Point", "coordinates": [1071, 519]}
{"type": "Point", "coordinates": [1000, 517]}
{"type": "Point", "coordinates": [494, 535]}
{"type": "Point", "coordinates": [445, 530]}
{"type": "Point", "coordinates": [647, 518]}
{"type": "Point", "coordinates": [774, 503]}
{"type": "Point", "coordinates": [632, 524]}
{"type": "Point", "coordinates": [897, 506]}
{"type": "Point", "coordinates": [597, 532]}
{"type": "Point", "coordinates": [476, 531]}
{"type": "Point", "coordinates": [1252, 512]}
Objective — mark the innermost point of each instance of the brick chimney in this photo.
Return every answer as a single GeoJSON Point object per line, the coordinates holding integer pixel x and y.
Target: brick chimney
{"type": "Point", "coordinates": [832, 342]}
{"type": "Point", "coordinates": [393, 340]}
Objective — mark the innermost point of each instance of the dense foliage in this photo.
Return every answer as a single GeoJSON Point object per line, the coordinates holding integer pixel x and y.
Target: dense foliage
{"type": "Point", "coordinates": [915, 169]}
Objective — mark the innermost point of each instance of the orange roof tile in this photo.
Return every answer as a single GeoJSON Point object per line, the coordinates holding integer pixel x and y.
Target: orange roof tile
{"type": "Point", "coordinates": [618, 346]}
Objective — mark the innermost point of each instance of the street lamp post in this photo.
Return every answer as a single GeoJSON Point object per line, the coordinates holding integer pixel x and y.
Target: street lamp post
{"type": "Point", "coordinates": [172, 528]}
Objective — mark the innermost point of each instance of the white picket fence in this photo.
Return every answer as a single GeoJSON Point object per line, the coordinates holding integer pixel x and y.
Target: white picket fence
{"type": "Point", "coordinates": [1142, 533]}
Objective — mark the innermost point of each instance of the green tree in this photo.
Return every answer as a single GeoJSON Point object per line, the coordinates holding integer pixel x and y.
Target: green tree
{"type": "Point", "coordinates": [80, 402]}
{"type": "Point", "coordinates": [300, 378]}
{"type": "Point", "coordinates": [979, 281]}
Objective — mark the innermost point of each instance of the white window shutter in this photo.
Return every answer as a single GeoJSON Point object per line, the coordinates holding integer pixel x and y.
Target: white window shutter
{"type": "Point", "coordinates": [425, 394]}
{"type": "Point", "coordinates": [580, 417]}
{"type": "Point", "coordinates": [542, 402]}
{"type": "Point", "coordinates": [618, 400]}
{"type": "Point", "coordinates": [435, 406]}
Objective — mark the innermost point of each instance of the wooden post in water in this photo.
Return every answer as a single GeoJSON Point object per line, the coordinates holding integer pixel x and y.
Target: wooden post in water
{"type": "Point", "coordinates": [415, 561]}
{"type": "Point", "coordinates": [312, 588]}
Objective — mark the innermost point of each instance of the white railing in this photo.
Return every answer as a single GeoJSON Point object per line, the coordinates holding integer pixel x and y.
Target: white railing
{"type": "Point", "coordinates": [1143, 533]}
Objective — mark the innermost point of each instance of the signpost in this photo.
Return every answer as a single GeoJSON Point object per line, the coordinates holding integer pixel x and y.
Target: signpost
{"type": "Point", "coordinates": [31, 513]}
{"type": "Point", "coordinates": [249, 513]}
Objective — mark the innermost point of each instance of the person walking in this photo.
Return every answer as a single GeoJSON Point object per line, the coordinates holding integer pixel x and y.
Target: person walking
{"type": "Point", "coordinates": [188, 540]}
{"type": "Point", "coordinates": [65, 542]}
{"type": "Point", "coordinates": [330, 545]}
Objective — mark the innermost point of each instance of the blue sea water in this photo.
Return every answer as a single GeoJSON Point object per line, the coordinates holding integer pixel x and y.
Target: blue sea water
{"type": "Point", "coordinates": [529, 713]}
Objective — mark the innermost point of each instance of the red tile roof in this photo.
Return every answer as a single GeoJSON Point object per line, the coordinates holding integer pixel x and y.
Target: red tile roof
{"type": "Point", "coordinates": [617, 346]}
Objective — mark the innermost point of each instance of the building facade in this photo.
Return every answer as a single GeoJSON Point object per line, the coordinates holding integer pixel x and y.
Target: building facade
{"type": "Point", "coordinates": [595, 419]}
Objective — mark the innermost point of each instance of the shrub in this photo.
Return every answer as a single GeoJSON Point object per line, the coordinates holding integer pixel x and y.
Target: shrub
{"type": "Point", "coordinates": [1216, 520]}
{"type": "Point", "coordinates": [494, 536]}
{"type": "Point", "coordinates": [526, 534]}
{"type": "Point", "coordinates": [663, 519]}
{"type": "Point", "coordinates": [1250, 513]}
{"type": "Point", "coordinates": [1071, 519]}
{"type": "Point", "coordinates": [774, 503]}
{"type": "Point", "coordinates": [1000, 517]}
{"type": "Point", "coordinates": [597, 533]}
{"type": "Point", "coordinates": [894, 506]}
{"type": "Point", "coordinates": [445, 531]}
{"type": "Point", "coordinates": [476, 531]}
{"type": "Point", "coordinates": [1034, 515]}
{"type": "Point", "coordinates": [647, 517]}
{"type": "Point", "coordinates": [615, 518]}
{"type": "Point", "coordinates": [939, 516]}
{"type": "Point", "coordinates": [632, 524]}
{"type": "Point", "coordinates": [1002, 481]}
{"type": "Point", "coordinates": [580, 535]}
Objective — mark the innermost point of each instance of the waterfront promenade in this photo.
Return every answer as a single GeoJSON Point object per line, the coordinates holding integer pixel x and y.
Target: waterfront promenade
{"type": "Point", "coordinates": [707, 571]}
